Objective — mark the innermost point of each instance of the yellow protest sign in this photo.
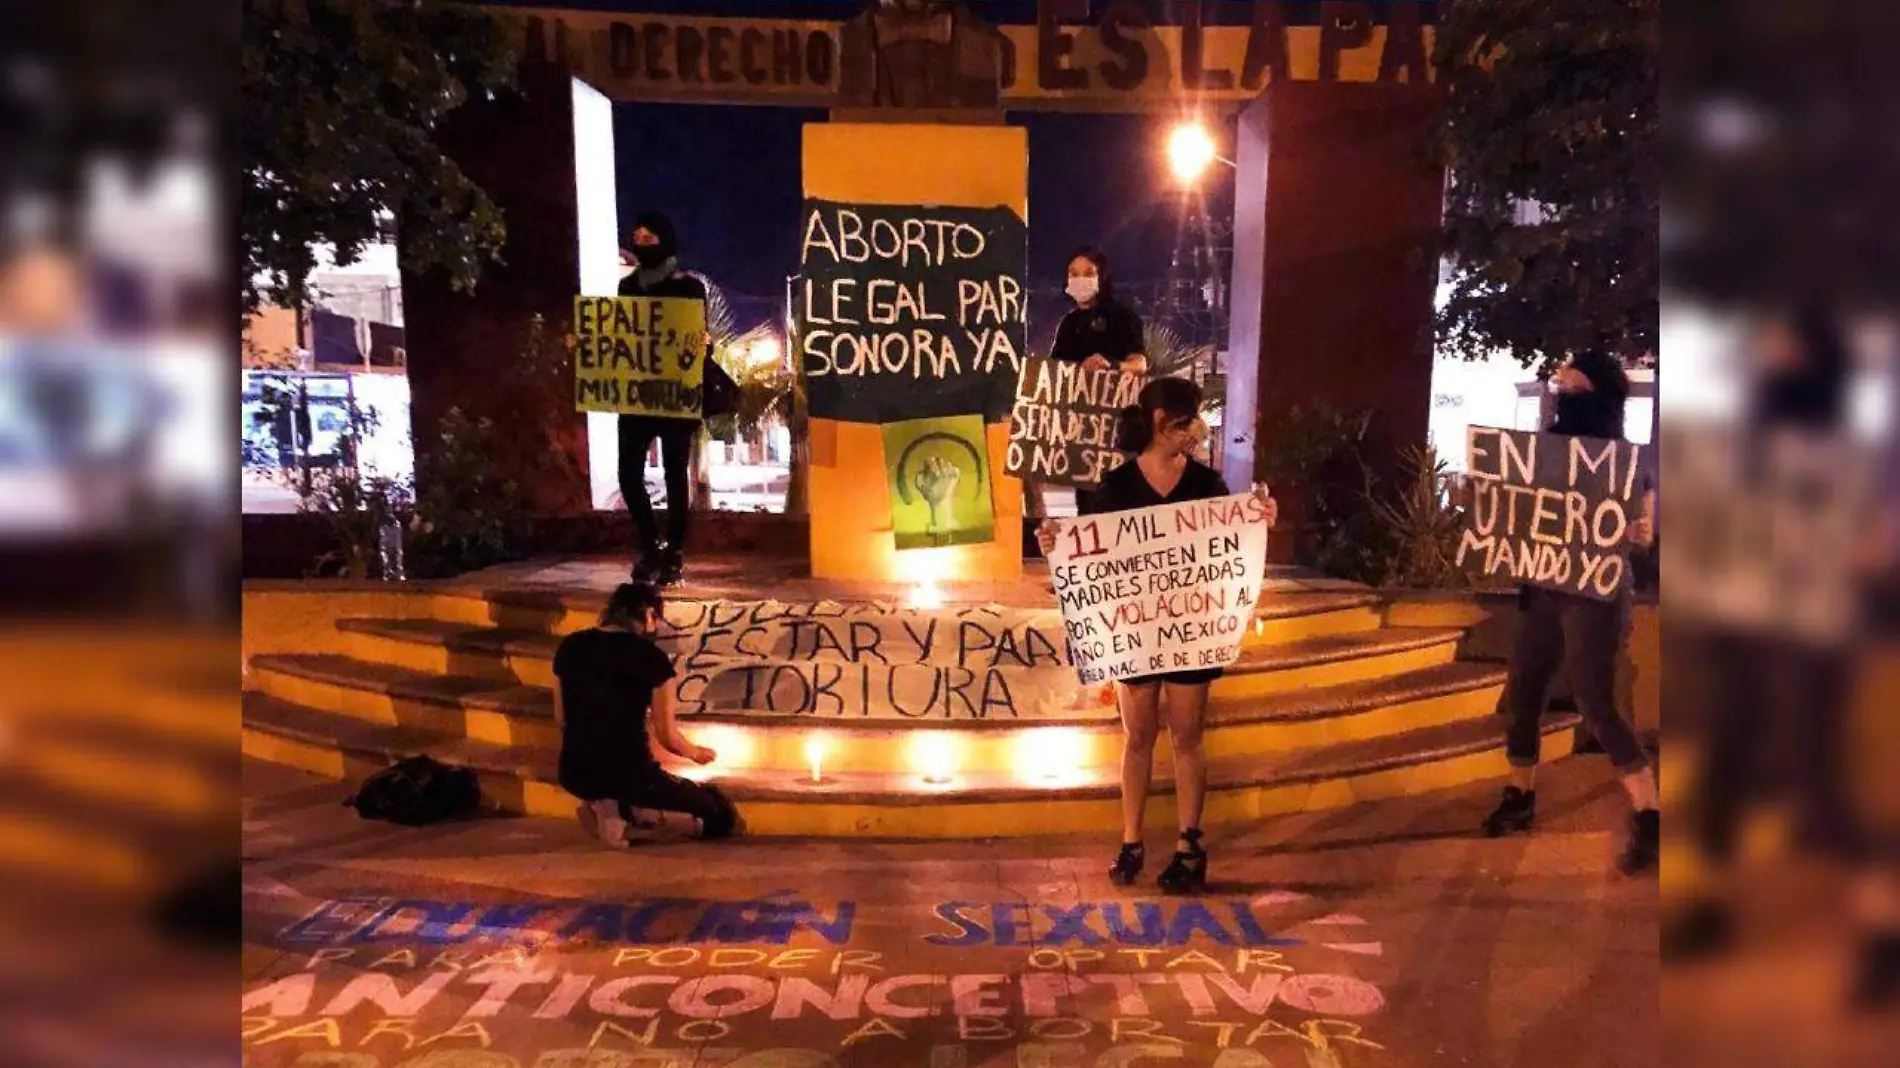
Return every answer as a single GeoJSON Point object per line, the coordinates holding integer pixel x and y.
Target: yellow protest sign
{"type": "Point", "coordinates": [640, 355]}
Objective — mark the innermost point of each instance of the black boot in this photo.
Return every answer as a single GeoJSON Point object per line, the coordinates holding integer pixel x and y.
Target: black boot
{"type": "Point", "coordinates": [1187, 872]}
{"type": "Point", "coordinates": [647, 568]}
{"type": "Point", "coordinates": [672, 567]}
{"type": "Point", "coordinates": [1127, 866]}
{"type": "Point", "coordinates": [1515, 812]}
{"type": "Point", "coordinates": [1645, 843]}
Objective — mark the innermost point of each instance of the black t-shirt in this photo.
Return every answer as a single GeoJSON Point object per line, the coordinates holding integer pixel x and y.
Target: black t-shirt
{"type": "Point", "coordinates": [607, 683]}
{"type": "Point", "coordinates": [1126, 489]}
{"type": "Point", "coordinates": [1109, 328]}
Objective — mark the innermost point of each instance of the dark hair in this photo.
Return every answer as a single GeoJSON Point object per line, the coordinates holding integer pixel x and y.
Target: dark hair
{"type": "Point", "coordinates": [630, 603]}
{"type": "Point", "coordinates": [1106, 290]}
{"type": "Point", "coordinates": [1604, 371]}
{"type": "Point", "coordinates": [1176, 398]}
{"type": "Point", "coordinates": [1814, 393]}
{"type": "Point", "coordinates": [657, 223]}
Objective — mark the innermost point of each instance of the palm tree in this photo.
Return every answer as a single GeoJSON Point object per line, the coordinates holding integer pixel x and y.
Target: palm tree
{"type": "Point", "coordinates": [1170, 356]}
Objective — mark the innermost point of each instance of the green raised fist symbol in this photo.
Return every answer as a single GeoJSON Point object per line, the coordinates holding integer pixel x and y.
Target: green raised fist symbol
{"type": "Point", "coordinates": [936, 480]}
{"type": "Point", "coordinates": [936, 477]}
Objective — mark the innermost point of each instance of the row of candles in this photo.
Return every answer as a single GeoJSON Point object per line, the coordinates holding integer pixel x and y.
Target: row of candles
{"type": "Point", "coordinates": [1045, 756]}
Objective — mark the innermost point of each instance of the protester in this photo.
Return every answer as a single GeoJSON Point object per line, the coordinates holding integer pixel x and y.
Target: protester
{"type": "Point", "coordinates": [1777, 706]}
{"type": "Point", "coordinates": [610, 695]}
{"type": "Point", "coordinates": [1581, 634]}
{"type": "Point", "coordinates": [655, 251]}
{"type": "Point", "coordinates": [1163, 429]}
{"type": "Point", "coordinates": [1100, 332]}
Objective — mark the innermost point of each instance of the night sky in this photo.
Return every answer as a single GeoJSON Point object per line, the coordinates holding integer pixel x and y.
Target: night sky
{"type": "Point", "coordinates": [729, 177]}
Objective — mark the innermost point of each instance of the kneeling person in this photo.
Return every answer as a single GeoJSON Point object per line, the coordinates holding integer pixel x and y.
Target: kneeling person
{"type": "Point", "coordinates": [610, 694]}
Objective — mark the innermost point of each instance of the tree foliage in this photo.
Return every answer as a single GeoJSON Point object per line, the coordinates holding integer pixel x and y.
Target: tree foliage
{"type": "Point", "coordinates": [338, 104]}
{"type": "Point", "coordinates": [1551, 103]}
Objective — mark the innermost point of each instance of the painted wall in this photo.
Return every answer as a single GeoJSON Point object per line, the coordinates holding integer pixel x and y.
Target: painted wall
{"type": "Point", "coordinates": [901, 163]}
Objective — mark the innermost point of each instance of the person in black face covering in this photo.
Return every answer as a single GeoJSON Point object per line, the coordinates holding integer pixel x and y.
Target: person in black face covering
{"type": "Point", "coordinates": [1581, 634]}
{"type": "Point", "coordinates": [1777, 719]}
{"type": "Point", "coordinates": [656, 273]}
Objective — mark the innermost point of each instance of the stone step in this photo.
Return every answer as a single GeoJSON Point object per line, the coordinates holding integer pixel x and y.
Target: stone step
{"type": "Point", "coordinates": [516, 715]}
{"type": "Point", "coordinates": [1287, 612]}
{"type": "Point", "coordinates": [508, 655]}
{"type": "Point", "coordinates": [1017, 803]}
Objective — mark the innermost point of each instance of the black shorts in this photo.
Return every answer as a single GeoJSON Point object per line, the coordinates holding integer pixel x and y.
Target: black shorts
{"type": "Point", "coordinates": [1179, 678]}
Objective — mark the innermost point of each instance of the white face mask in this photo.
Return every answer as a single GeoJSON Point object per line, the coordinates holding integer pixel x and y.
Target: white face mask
{"type": "Point", "coordinates": [1083, 287]}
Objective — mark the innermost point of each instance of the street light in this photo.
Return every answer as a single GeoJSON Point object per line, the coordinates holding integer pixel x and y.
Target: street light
{"type": "Point", "coordinates": [1191, 151]}
{"type": "Point", "coordinates": [766, 350]}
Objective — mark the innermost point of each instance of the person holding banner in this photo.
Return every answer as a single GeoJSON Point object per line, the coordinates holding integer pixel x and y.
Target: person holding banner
{"type": "Point", "coordinates": [656, 273]}
{"type": "Point", "coordinates": [1163, 430]}
{"type": "Point", "coordinates": [1100, 332]}
{"type": "Point", "coordinates": [1581, 634]}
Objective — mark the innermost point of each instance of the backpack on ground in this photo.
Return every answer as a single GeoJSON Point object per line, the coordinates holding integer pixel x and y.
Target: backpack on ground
{"type": "Point", "coordinates": [417, 791]}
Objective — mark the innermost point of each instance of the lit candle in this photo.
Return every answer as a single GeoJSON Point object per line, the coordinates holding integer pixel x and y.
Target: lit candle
{"type": "Point", "coordinates": [1259, 627]}
{"type": "Point", "coordinates": [815, 747]}
{"type": "Point", "coordinates": [934, 754]}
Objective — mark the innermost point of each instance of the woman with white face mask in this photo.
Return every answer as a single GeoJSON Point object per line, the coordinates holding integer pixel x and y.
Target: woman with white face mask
{"type": "Point", "coordinates": [1101, 332]}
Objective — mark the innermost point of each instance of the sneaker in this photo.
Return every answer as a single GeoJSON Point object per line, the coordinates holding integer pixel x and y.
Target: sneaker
{"type": "Point", "coordinates": [1876, 983]}
{"type": "Point", "coordinates": [1516, 810]}
{"type": "Point", "coordinates": [1645, 843]}
{"type": "Point", "coordinates": [1704, 929]}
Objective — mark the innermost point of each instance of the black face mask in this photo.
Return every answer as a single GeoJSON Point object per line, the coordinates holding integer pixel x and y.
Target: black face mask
{"type": "Point", "coordinates": [1588, 414]}
{"type": "Point", "coordinates": [650, 256]}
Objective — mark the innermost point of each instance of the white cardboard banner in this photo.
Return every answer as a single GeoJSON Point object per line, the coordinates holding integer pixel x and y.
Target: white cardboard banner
{"type": "Point", "coordinates": [1162, 589]}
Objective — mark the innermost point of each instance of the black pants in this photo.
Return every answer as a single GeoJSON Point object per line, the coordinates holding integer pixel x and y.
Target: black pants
{"type": "Point", "coordinates": [1582, 635]}
{"type": "Point", "coordinates": [655, 789]}
{"type": "Point", "coordinates": [637, 435]}
{"type": "Point", "coordinates": [1776, 729]}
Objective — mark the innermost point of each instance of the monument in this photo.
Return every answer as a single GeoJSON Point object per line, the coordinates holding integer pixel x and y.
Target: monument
{"type": "Point", "coordinates": [920, 54]}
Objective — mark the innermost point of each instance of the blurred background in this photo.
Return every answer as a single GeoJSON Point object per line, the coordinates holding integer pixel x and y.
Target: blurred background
{"type": "Point", "coordinates": [1779, 534]}
{"type": "Point", "coordinates": [118, 643]}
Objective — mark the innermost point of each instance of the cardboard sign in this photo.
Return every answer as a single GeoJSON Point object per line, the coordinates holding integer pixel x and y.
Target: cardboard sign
{"type": "Point", "coordinates": [1766, 527]}
{"type": "Point", "coordinates": [910, 312]}
{"type": "Point", "coordinates": [1551, 510]}
{"type": "Point", "coordinates": [1062, 432]}
{"type": "Point", "coordinates": [640, 355]}
{"type": "Point", "coordinates": [1162, 589]}
{"type": "Point", "coordinates": [940, 482]}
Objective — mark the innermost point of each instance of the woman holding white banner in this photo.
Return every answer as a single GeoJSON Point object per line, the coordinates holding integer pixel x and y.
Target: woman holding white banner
{"type": "Point", "coordinates": [1164, 430]}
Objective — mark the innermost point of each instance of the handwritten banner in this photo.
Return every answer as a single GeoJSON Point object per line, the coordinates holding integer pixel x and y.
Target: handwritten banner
{"type": "Point", "coordinates": [910, 312]}
{"type": "Point", "coordinates": [1551, 510]}
{"type": "Point", "coordinates": [1062, 432]}
{"type": "Point", "coordinates": [1765, 526]}
{"type": "Point", "coordinates": [640, 355]}
{"type": "Point", "coordinates": [1162, 589]}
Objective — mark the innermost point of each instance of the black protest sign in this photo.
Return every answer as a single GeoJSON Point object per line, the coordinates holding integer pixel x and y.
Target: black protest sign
{"type": "Point", "coordinates": [910, 312]}
{"type": "Point", "coordinates": [1551, 510]}
{"type": "Point", "coordinates": [1062, 431]}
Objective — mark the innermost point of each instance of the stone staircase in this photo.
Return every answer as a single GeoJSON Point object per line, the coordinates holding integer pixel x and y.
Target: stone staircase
{"type": "Point", "coordinates": [1327, 706]}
